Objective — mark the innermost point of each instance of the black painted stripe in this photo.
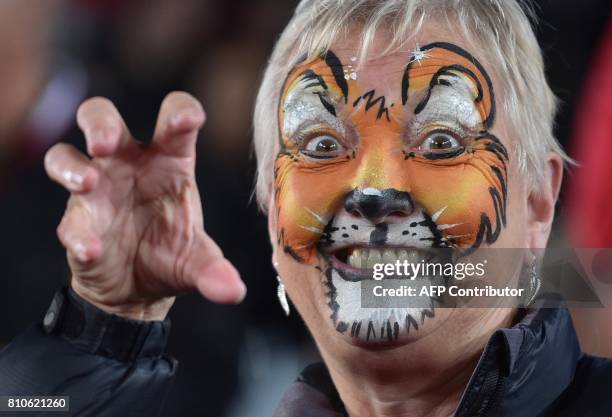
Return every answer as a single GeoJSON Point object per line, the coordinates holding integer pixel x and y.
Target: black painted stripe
{"type": "Point", "coordinates": [335, 65]}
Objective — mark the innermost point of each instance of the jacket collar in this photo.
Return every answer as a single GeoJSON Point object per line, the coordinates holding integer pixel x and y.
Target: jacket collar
{"type": "Point", "coordinates": [543, 354]}
{"type": "Point", "coordinates": [521, 371]}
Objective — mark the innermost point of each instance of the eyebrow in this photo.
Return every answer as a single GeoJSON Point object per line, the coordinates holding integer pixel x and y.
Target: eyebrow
{"type": "Point", "coordinates": [448, 71]}
{"type": "Point", "coordinates": [311, 79]}
{"type": "Point", "coordinates": [336, 67]}
{"type": "Point", "coordinates": [449, 104]}
{"type": "Point", "coordinates": [488, 122]}
{"type": "Point", "coordinates": [317, 80]}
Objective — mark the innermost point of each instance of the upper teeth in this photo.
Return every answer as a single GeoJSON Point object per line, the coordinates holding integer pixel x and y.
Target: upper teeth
{"type": "Point", "coordinates": [366, 258]}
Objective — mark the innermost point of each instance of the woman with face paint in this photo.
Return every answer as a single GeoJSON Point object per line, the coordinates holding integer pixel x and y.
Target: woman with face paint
{"type": "Point", "coordinates": [389, 133]}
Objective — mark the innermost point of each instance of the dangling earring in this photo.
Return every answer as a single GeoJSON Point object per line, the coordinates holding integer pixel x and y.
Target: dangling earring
{"type": "Point", "coordinates": [282, 296]}
{"type": "Point", "coordinates": [281, 293]}
{"type": "Point", "coordinates": [534, 281]}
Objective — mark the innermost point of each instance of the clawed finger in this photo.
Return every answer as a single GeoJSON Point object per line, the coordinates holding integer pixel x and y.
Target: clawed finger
{"type": "Point", "coordinates": [104, 128]}
{"type": "Point", "coordinates": [70, 168]}
{"type": "Point", "coordinates": [77, 236]}
{"type": "Point", "coordinates": [214, 276]}
{"type": "Point", "coordinates": [180, 117]}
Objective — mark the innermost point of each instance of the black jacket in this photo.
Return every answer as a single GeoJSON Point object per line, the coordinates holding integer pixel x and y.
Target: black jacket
{"type": "Point", "coordinates": [107, 366]}
{"type": "Point", "coordinates": [532, 369]}
{"type": "Point", "coordinates": [115, 367]}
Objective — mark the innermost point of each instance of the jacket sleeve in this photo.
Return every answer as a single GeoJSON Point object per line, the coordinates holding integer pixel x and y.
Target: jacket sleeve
{"type": "Point", "coordinates": [105, 364]}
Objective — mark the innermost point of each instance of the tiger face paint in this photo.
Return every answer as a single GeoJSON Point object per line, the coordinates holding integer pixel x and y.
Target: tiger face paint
{"type": "Point", "coordinates": [366, 174]}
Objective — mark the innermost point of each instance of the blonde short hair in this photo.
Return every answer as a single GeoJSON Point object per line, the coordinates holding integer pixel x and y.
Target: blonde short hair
{"type": "Point", "coordinates": [502, 28]}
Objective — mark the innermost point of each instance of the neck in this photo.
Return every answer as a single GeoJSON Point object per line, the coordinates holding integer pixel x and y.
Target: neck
{"type": "Point", "coordinates": [418, 378]}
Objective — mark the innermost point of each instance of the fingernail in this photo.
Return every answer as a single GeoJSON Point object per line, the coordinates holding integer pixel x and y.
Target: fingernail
{"type": "Point", "coordinates": [242, 291]}
{"type": "Point", "coordinates": [224, 282]}
{"type": "Point", "coordinates": [96, 136]}
{"type": "Point", "coordinates": [74, 180]}
{"type": "Point", "coordinates": [81, 252]}
{"type": "Point", "coordinates": [179, 118]}
{"type": "Point", "coordinates": [175, 119]}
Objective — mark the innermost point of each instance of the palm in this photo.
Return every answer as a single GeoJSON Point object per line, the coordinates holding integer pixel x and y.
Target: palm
{"type": "Point", "coordinates": [141, 224]}
{"type": "Point", "coordinates": [136, 206]}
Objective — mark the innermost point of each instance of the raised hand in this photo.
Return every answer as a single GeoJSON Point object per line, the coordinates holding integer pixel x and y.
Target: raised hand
{"type": "Point", "coordinates": [133, 227]}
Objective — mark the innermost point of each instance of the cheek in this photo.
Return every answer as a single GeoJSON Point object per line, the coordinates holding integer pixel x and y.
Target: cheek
{"type": "Point", "coordinates": [305, 202]}
{"type": "Point", "coordinates": [305, 286]}
{"type": "Point", "coordinates": [302, 282]}
{"type": "Point", "coordinates": [469, 195]}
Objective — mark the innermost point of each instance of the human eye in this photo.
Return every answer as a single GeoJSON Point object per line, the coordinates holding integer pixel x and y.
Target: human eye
{"type": "Point", "coordinates": [439, 142]}
{"type": "Point", "coordinates": [323, 146]}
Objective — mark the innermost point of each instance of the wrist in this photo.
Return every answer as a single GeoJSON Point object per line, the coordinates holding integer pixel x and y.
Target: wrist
{"type": "Point", "coordinates": [91, 329]}
{"type": "Point", "coordinates": [142, 310]}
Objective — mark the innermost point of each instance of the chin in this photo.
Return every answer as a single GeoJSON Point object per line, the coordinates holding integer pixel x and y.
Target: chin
{"type": "Point", "coordinates": [348, 251]}
{"type": "Point", "coordinates": [374, 327]}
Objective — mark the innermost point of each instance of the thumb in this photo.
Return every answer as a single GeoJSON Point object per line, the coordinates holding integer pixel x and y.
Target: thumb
{"type": "Point", "coordinates": [213, 275]}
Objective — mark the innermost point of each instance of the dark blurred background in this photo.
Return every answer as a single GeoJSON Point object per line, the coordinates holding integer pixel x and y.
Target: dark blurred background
{"type": "Point", "coordinates": [234, 361]}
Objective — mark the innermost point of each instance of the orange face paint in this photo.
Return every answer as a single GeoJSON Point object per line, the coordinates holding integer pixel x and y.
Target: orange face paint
{"type": "Point", "coordinates": [338, 135]}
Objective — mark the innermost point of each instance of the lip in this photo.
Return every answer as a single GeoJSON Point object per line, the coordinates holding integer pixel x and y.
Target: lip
{"type": "Point", "coordinates": [351, 273]}
{"type": "Point", "coordinates": [347, 271]}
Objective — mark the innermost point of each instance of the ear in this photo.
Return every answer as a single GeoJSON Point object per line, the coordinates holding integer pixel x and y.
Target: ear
{"type": "Point", "coordinates": [541, 202]}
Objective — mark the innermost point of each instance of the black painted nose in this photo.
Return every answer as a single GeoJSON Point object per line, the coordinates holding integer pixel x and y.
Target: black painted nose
{"type": "Point", "coordinates": [378, 205]}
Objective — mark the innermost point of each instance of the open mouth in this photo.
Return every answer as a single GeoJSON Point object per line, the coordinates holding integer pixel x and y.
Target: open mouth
{"type": "Point", "coordinates": [356, 263]}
